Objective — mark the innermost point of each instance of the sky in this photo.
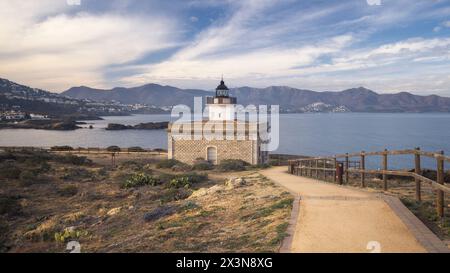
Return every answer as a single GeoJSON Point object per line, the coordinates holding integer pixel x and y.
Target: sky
{"type": "Point", "coordinates": [323, 45]}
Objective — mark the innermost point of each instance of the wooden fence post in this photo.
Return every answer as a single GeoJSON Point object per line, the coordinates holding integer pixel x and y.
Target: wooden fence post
{"type": "Point", "coordinates": [308, 171]}
{"type": "Point", "coordinates": [385, 167]}
{"type": "Point", "coordinates": [440, 180]}
{"type": "Point", "coordinates": [363, 167]}
{"type": "Point", "coordinates": [347, 165]}
{"type": "Point", "coordinates": [419, 172]}
{"type": "Point", "coordinates": [317, 168]}
{"type": "Point", "coordinates": [335, 166]}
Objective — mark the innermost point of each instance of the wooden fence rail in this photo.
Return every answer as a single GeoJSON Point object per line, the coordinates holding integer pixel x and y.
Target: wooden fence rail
{"type": "Point", "coordinates": [340, 170]}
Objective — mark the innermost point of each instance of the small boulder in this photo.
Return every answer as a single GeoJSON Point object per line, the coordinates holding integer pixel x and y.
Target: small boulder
{"type": "Point", "coordinates": [114, 211]}
{"type": "Point", "coordinates": [206, 191]}
{"type": "Point", "coordinates": [235, 183]}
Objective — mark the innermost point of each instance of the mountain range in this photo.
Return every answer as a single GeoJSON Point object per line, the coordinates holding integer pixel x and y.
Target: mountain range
{"type": "Point", "coordinates": [17, 97]}
{"type": "Point", "coordinates": [290, 99]}
{"type": "Point", "coordinates": [157, 98]}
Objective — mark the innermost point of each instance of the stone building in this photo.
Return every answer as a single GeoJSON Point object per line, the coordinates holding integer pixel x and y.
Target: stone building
{"type": "Point", "coordinates": [219, 137]}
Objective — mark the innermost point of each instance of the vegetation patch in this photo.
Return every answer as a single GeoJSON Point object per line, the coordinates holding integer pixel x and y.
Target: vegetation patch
{"type": "Point", "coordinates": [232, 165]}
{"type": "Point", "coordinates": [202, 165]}
{"type": "Point", "coordinates": [10, 205]}
{"type": "Point", "coordinates": [68, 191]}
{"type": "Point", "coordinates": [69, 234]}
{"type": "Point", "coordinates": [187, 180]}
{"type": "Point", "coordinates": [140, 180]}
{"type": "Point", "coordinates": [167, 163]}
{"type": "Point", "coordinates": [157, 212]}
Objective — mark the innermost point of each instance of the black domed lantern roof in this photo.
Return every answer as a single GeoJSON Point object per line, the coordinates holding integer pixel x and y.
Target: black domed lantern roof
{"type": "Point", "coordinates": [222, 90]}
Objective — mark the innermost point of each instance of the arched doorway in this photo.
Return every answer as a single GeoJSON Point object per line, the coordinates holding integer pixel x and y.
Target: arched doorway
{"type": "Point", "coordinates": [211, 155]}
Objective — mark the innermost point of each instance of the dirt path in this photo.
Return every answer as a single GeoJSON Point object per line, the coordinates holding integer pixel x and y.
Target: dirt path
{"type": "Point", "coordinates": [341, 219]}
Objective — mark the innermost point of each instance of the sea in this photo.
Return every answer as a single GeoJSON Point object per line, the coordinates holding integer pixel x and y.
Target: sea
{"type": "Point", "coordinates": [318, 134]}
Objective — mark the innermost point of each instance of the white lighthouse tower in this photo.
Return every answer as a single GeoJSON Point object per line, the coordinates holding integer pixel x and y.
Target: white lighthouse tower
{"type": "Point", "coordinates": [222, 107]}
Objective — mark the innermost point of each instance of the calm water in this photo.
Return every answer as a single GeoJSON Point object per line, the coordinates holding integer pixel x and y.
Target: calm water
{"type": "Point", "coordinates": [306, 134]}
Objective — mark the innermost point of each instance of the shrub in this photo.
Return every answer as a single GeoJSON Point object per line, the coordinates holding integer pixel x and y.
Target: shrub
{"type": "Point", "coordinates": [45, 167]}
{"type": "Point", "coordinates": [76, 173]}
{"type": "Point", "coordinates": [196, 177]}
{"type": "Point", "coordinates": [260, 166]}
{"type": "Point", "coordinates": [28, 176]}
{"type": "Point", "coordinates": [165, 177]}
{"type": "Point", "coordinates": [167, 164]}
{"type": "Point", "coordinates": [160, 150]}
{"type": "Point", "coordinates": [69, 234]}
{"type": "Point", "coordinates": [135, 149]}
{"type": "Point", "coordinates": [74, 160]}
{"type": "Point", "coordinates": [10, 206]}
{"type": "Point", "coordinates": [68, 191]}
{"type": "Point", "coordinates": [187, 180]}
{"type": "Point", "coordinates": [9, 170]}
{"type": "Point", "coordinates": [202, 165]}
{"type": "Point", "coordinates": [114, 149]}
{"type": "Point", "coordinates": [133, 165]}
{"type": "Point", "coordinates": [62, 148]}
{"type": "Point", "coordinates": [139, 180]}
{"type": "Point", "coordinates": [232, 165]}
{"type": "Point", "coordinates": [181, 167]}
{"type": "Point", "coordinates": [180, 182]}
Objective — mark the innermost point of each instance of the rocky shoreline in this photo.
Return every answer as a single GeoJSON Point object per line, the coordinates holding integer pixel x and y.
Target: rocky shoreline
{"type": "Point", "coordinates": [141, 126]}
{"type": "Point", "coordinates": [54, 125]}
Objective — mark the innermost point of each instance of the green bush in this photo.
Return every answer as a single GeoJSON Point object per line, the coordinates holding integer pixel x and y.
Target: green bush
{"type": "Point", "coordinates": [167, 164]}
{"type": "Point", "coordinates": [165, 177]}
{"type": "Point", "coordinates": [187, 180]}
{"type": "Point", "coordinates": [74, 160]}
{"type": "Point", "coordinates": [139, 180]}
{"type": "Point", "coordinates": [231, 165]}
{"type": "Point", "coordinates": [260, 166]}
{"type": "Point", "coordinates": [114, 149]}
{"type": "Point", "coordinates": [69, 234]}
{"type": "Point", "coordinates": [62, 148]}
{"type": "Point", "coordinates": [132, 165]}
{"type": "Point", "coordinates": [68, 191]}
{"type": "Point", "coordinates": [76, 173]}
{"type": "Point", "coordinates": [202, 165]}
{"type": "Point", "coordinates": [180, 182]}
{"type": "Point", "coordinates": [135, 149]}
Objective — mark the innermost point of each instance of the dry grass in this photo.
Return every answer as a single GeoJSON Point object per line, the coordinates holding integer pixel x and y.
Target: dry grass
{"type": "Point", "coordinates": [87, 204]}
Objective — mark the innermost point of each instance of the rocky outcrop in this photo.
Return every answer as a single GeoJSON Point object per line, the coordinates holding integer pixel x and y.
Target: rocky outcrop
{"type": "Point", "coordinates": [141, 126]}
{"type": "Point", "coordinates": [56, 125]}
{"type": "Point", "coordinates": [235, 183]}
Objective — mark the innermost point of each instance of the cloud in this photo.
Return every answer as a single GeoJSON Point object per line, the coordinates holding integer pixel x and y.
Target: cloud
{"type": "Point", "coordinates": [445, 24]}
{"type": "Point", "coordinates": [319, 45]}
{"type": "Point", "coordinates": [54, 49]}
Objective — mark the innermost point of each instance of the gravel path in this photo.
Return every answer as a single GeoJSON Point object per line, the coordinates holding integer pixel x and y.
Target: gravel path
{"type": "Point", "coordinates": [340, 219]}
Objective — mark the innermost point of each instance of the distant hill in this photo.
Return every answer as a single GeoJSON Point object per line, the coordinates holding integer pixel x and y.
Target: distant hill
{"type": "Point", "coordinates": [32, 100]}
{"type": "Point", "coordinates": [290, 99]}
{"type": "Point", "coordinates": [150, 94]}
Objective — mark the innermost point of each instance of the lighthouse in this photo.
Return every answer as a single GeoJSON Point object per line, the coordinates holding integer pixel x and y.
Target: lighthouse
{"type": "Point", "coordinates": [222, 107]}
{"type": "Point", "coordinates": [210, 146]}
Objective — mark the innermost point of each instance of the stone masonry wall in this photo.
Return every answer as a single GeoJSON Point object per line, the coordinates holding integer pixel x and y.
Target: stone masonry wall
{"type": "Point", "coordinates": [188, 151]}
